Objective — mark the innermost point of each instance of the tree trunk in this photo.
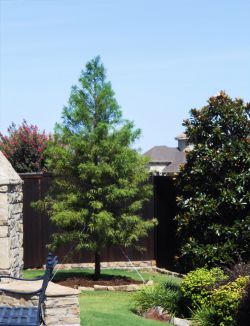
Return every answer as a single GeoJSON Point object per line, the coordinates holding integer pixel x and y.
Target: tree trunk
{"type": "Point", "coordinates": [97, 266]}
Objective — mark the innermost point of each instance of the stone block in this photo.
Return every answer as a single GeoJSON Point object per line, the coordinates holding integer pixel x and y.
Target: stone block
{"type": "Point", "coordinates": [3, 188]}
{"type": "Point", "coordinates": [15, 197]}
{"type": "Point", "coordinates": [16, 186]}
{"type": "Point", "coordinates": [111, 288]}
{"type": "Point", "coordinates": [132, 287]}
{"type": "Point", "coordinates": [180, 322]}
{"type": "Point", "coordinates": [150, 282]}
{"type": "Point", "coordinates": [4, 213]}
{"type": "Point", "coordinates": [100, 288]}
{"type": "Point", "coordinates": [157, 313]}
{"type": "Point", "coordinates": [116, 265]}
{"type": "Point", "coordinates": [3, 199]}
{"type": "Point", "coordinates": [85, 288]}
{"type": "Point", "coordinates": [4, 230]}
{"type": "Point", "coordinates": [4, 253]}
{"type": "Point", "coordinates": [16, 208]}
{"type": "Point", "coordinates": [126, 288]}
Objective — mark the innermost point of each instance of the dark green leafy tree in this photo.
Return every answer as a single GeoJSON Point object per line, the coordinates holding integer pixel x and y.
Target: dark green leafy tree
{"type": "Point", "coordinates": [213, 186]}
{"type": "Point", "coordinates": [102, 182]}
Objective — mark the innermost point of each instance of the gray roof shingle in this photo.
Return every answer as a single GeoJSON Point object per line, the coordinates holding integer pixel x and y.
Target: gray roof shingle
{"type": "Point", "coordinates": [170, 156]}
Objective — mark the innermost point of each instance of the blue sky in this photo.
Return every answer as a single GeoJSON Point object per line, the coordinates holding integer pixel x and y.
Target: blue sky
{"type": "Point", "coordinates": [162, 57]}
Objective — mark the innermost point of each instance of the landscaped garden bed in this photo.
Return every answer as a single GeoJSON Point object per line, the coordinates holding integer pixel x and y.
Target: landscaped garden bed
{"type": "Point", "coordinates": [104, 307]}
{"type": "Point", "coordinates": [108, 276]}
{"type": "Point", "coordinates": [190, 297]}
{"type": "Point", "coordinates": [89, 281]}
{"type": "Point", "coordinates": [209, 297]}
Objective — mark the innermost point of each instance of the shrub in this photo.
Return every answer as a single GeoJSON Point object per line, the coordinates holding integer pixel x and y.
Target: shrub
{"type": "Point", "coordinates": [24, 147]}
{"type": "Point", "coordinates": [237, 270]}
{"type": "Point", "coordinates": [226, 300]}
{"type": "Point", "coordinates": [166, 295]}
{"type": "Point", "coordinates": [222, 305]}
{"type": "Point", "coordinates": [197, 286]}
{"type": "Point", "coordinates": [243, 314]}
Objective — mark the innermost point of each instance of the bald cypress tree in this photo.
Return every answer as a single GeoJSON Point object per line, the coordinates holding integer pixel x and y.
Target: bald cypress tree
{"type": "Point", "coordinates": [102, 183]}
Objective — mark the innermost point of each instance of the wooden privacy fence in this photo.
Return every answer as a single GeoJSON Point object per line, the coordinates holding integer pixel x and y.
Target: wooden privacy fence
{"type": "Point", "coordinates": [38, 230]}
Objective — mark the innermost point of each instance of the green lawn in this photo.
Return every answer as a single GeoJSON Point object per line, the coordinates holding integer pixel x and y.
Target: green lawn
{"type": "Point", "coordinates": [100, 308]}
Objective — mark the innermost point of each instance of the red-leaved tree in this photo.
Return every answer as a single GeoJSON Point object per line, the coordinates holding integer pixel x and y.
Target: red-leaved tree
{"type": "Point", "coordinates": [24, 147]}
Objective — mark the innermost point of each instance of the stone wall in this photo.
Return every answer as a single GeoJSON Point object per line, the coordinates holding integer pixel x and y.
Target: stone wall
{"type": "Point", "coordinates": [11, 220]}
{"type": "Point", "coordinates": [61, 304]}
{"type": "Point", "coordinates": [138, 264]}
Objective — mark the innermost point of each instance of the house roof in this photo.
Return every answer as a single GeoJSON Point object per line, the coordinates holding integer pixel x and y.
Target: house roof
{"type": "Point", "coordinates": [169, 157]}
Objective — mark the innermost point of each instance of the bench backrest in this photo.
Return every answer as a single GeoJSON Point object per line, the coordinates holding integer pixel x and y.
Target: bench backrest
{"type": "Point", "coordinates": [47, 276]}
{"type": "Point", "coordinates": [50, 264]}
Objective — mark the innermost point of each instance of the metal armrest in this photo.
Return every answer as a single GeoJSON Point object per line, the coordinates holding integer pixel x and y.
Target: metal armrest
{"type": "Point", "coordinates": [22, 279]}
{"type": "Point", "coordinates": [23, 293]}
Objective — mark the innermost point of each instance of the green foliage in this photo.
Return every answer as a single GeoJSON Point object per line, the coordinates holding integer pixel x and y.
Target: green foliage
{"type": "Point", "coordinates": [165, 295]}
{"type": "Point", "coordinates": [210, 302]}
{"type": "Point", "coordinates": [243, 310]}
{"type": "Point", "coordinates": [222, 306]}
{"type": "Point", "coordinates": [213, 186]}
{"type": "Point", "coordinates": [25, 147]}
{"type": "Point", "coordinates": [205, 293]}
{"type": "Point", "coordinates": [204, 316]}
{"type": "Point", "coordinates": [226, 299]}
{"type": "Point", "coordinates": [102, 186]}
{"type": "Point", "coordinates": [197, 286]}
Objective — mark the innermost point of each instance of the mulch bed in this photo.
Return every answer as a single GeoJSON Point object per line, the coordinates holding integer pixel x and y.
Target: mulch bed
{"type": "Point", "coordinates": [88, 281]}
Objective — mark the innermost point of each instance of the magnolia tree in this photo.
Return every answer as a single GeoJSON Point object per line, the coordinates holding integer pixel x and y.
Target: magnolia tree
{"type": "Point", "coordinates": [24, 147]}
{"type": "Point", "coordinates": [213, 186]}
{"type": "Point", "coordinates": [102, 185]}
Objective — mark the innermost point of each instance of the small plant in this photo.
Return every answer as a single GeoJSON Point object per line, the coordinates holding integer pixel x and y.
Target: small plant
{"type": "Point", "coordinates": [149, 297]}
{"type": "Point", "coordinates": [24, 147]}
{"type": "Point", "coordinates": [172, 284]}
{"type": "Point", "coordinates": [166, 295]}
{"type": "Point", "coordinates": [205, 316]}
{"type": "Point", "coordinates": [197, 286]}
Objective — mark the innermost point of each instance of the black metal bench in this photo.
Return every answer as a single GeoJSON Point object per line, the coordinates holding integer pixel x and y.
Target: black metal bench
{"type": "Point", "coordinates": [31, 316]}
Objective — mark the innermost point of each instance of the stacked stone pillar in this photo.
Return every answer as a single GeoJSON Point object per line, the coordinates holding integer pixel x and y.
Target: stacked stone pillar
{"type": "Point", "coordinates": [11, 220]}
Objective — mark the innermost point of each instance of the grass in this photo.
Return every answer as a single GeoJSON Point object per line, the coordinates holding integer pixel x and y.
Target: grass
{"type": "Point", "coordinates": [110, 309]}
{"type": "Point", "coordinates": [100, 308]}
